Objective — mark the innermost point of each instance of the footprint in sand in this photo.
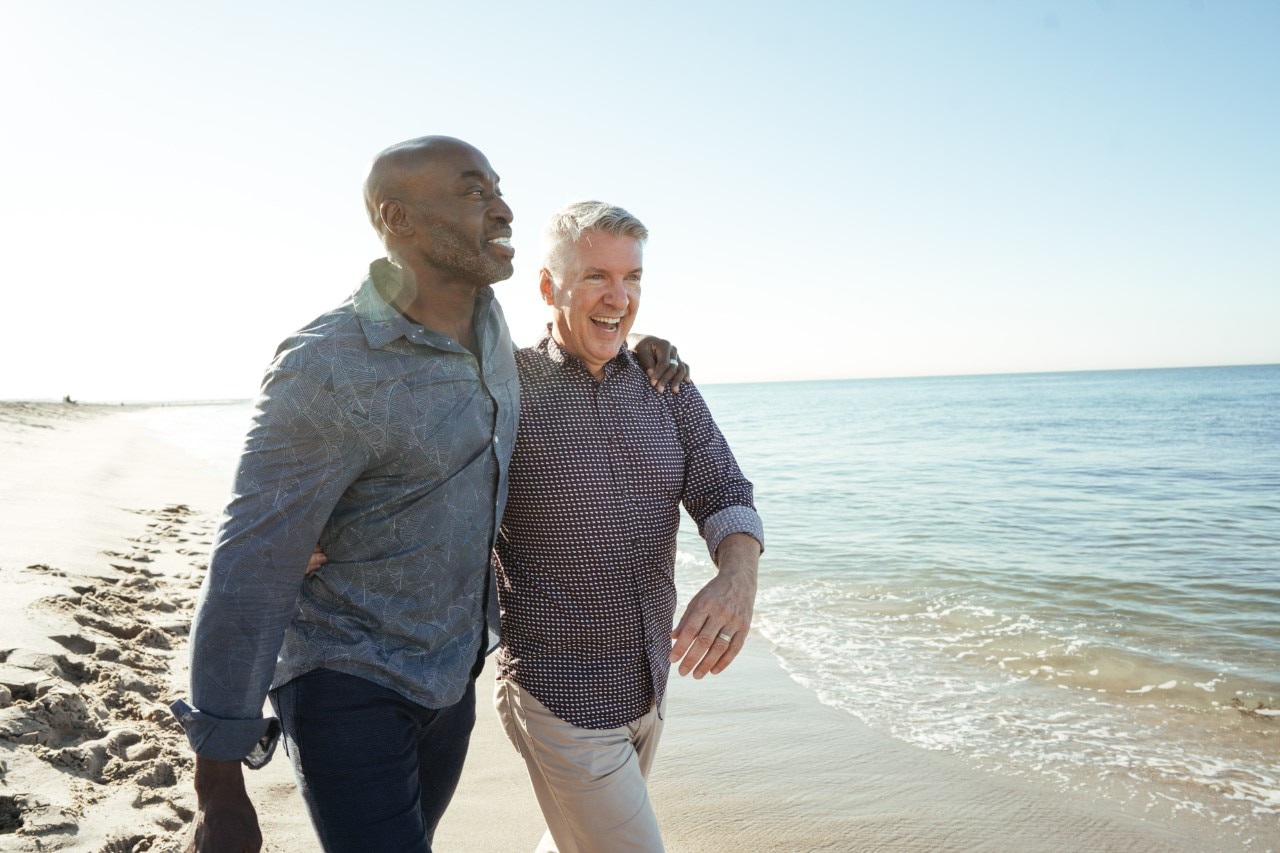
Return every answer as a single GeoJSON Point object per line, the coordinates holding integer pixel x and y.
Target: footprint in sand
{"type": "Point", "coordinates": [97, 712]}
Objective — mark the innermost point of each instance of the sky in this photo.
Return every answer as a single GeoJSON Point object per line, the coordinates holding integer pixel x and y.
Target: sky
{"type": "Point", "coordinates": [833, 189]}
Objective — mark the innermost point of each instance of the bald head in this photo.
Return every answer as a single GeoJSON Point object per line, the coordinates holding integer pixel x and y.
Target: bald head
{"type": "Point", "coordinates": [395, 170]}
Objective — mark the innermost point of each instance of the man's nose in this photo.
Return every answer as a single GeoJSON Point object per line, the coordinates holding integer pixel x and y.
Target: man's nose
{"type": "Point", "coordinates": [616, 294]}
{"type": "Point", "coordinates": [500, 209]}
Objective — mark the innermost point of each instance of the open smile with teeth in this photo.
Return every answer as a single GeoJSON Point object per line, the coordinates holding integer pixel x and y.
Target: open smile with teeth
{"type": "Point", "coordinates": [609, 324]}
{"type": "Point", "coordinates": [502, 241]}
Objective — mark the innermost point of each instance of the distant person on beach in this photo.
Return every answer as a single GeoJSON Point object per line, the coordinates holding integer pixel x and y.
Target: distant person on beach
{"type": "Point", "coordinates": [588, 544]}
{"type": "Point", "coordinates": [383, 431]}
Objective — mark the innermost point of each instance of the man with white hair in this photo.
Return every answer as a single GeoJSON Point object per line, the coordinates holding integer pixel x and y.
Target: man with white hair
{"type": "Point", "coordinates": [587, 546]}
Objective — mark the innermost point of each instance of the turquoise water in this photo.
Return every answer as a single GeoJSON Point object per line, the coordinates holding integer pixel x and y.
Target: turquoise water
{"type": "Point", "coordinates": [1073, 576]}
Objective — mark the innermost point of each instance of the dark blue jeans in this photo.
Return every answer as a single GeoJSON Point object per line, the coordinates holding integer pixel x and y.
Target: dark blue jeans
{"type": "Point", "coordinates": [376, 770]}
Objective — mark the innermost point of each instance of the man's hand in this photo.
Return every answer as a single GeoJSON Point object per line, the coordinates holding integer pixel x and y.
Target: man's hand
{"type": "Point", "coordinates": [659, 360]}
{"type": "Point", "coordinates": [225, 818]}
{"type": "Point", "coordinates": [715, 624]}
{"type": "Point", "coordinates": [316, 560]}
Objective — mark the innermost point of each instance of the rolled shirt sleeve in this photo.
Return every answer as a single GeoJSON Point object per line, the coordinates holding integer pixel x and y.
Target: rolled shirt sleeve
{"type": "Point", "coordinates": [298, 459]}
{"type": "Point", "coordinates": [731, 520]}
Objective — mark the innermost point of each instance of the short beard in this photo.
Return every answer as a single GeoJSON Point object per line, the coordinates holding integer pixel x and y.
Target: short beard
{"type": "Point", "coordinates": [450, 252]}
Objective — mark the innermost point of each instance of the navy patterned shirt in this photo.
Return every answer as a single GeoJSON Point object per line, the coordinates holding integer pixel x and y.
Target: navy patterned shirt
{"type": "Point", "coordinates": [388, 444]}
{"type": "Point", "coordinates": [588, 541]}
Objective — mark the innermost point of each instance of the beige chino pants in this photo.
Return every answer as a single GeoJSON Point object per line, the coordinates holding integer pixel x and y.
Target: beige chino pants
{"type": "Point", "coordinates": [590, 783]}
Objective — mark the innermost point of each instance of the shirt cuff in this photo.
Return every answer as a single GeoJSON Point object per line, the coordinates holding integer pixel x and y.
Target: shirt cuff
{"type": "Point", "coordinates": [251, 741]}
{"type": "Point", "coordinates": [731, 520]}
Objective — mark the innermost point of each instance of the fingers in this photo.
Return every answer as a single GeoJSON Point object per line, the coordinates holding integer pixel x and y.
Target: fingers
{"type": "Point", "coordinates": [681, 374]}
{"type": "Point", "coordinates": [714, 626]}
{"type": "Point", "coordinates": [661, 376]}
{"type": "Point", "coordinates": [317, 560]}
{"type": "Point", "coordinates": [708, 648]}
{"type": "Point", "coordinates": [661, 362]}
{"type": "Point", "coordinates": [732, 645]}
{"type": "Point", "coordinates": [667, 370]}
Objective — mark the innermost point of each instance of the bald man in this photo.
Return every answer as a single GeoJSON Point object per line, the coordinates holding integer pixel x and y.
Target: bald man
{"type": "Point", "coordinates": [383, 431]}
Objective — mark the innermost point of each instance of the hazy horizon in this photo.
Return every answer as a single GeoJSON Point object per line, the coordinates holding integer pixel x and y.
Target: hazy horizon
{"type": "Point", "coordinates": [247, 400]}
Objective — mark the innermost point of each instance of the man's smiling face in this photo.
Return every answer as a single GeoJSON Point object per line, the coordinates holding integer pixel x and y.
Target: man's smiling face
{"type": "Point", "coordinates": [596, 298]}
{"type": "Point", "coordinates": [462, 225]}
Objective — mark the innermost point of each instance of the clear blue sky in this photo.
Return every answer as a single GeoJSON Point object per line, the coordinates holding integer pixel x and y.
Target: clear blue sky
{"type": "Point", "coordinates": [834, 189]}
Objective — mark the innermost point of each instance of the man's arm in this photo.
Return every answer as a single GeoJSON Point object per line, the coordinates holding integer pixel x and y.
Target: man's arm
{"type": "Point", "coordinates": [721, 609]}
{"type": "Point", "coordinates": [720, 499]}
{"type": "Point", "coordinates": [298, 460]}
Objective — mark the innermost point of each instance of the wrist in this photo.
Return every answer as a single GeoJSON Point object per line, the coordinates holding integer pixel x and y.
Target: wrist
{"type": "Point", "coordinates": [217, 779]}
{"type": "Point", "coordinates": [738, 552]}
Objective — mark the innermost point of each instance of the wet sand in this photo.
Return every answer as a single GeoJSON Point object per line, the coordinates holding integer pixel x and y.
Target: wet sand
{"type": "Point", "coordinates": [104, 537]}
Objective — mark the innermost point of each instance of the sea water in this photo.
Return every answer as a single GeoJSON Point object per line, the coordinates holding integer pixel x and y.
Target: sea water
{"type": "Point", "coordinates": [1070, 576]}
{"type": "Point", "coordinates": [1073, 577]}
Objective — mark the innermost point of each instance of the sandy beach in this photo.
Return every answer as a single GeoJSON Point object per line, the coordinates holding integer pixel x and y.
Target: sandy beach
{"type": "Point", "coordinates": [104, 536]}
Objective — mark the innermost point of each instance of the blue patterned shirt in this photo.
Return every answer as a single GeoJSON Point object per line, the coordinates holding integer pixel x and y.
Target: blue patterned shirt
{"type": "Point", "coordinates": [587, 548]}
{"type": "Point", "coordinates": [388, 444]}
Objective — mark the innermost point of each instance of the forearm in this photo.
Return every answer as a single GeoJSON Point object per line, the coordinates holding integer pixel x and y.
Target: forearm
{"type": "Point", "coordinates": [246, 606]}
{"type": "Point", "coordinates": [295, 467]}
{"type": "Point", "coordinates": [737, 563]}
{"type": "Point", "coordinates": [716, 494]}
{"type": "Point", "coordinates": [236, 636]}
{"type": "Point", "coordinates": [739, 554]}
{"type": "Point", "coordinates": [250, 597]}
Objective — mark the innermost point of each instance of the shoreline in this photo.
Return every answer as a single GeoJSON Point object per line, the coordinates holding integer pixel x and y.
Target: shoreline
{"type": "Point", "coordinates": [99, 568]}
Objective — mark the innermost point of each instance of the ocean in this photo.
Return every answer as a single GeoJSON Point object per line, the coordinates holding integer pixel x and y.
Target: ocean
{"type": "Point", "coordinates": [1073, 577]}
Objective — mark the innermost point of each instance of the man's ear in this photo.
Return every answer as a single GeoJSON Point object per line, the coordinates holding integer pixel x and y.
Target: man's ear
{"type": "Point", "coordinates": [394, 220]}
{"type": "Point", "coordinates": [546, 286]}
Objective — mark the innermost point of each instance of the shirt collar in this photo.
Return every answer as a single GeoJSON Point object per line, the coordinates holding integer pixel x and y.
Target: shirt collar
{"type": "Point", "coordinates": [561, 357]}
